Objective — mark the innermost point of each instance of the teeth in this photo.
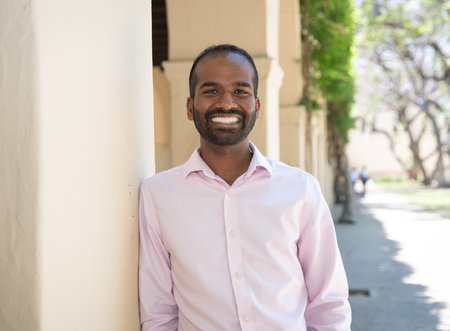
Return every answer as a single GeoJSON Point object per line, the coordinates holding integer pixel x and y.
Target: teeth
{"type": "Point", "coordinates": [225, 120]}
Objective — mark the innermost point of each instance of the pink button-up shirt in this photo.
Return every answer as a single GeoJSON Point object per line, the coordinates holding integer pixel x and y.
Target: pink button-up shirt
{"type": "Point", "coordinates": [260, 254]}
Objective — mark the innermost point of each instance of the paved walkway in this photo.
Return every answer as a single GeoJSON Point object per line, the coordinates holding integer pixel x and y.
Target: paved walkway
{"type": "Point", "coordinates": [400, 255]}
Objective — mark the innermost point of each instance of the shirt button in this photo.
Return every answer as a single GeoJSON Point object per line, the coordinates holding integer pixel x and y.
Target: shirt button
{"type": "Point", "coordinates": [232, 234]}
{"type": "Point", "coordinates": [246, 317]}
{"type": "Point", "coordinates": [237, 275]}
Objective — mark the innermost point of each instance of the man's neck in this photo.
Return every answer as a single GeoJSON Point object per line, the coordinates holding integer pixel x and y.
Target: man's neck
{"type": "Point", "coordinates": [228, 162]}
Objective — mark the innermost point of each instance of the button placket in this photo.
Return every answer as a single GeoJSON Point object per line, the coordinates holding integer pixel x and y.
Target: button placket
{"type": "Point", "coordinates": [235, 262]}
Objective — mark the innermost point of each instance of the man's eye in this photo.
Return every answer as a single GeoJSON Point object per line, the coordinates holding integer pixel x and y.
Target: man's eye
{"type": "Point", "coordinates": [213, 91]}
{"type": "Point", "coordinates": [240, 92]}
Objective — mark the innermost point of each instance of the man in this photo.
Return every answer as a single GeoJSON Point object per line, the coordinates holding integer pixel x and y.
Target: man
{"type": "Point", "coordinates": [232, 240]}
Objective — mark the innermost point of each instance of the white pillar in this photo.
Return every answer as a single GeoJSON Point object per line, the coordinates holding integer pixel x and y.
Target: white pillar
{"type": "Point", "coordinates": [77, 138]}
{"type": "Point", "coordinates": [292, 136]}
{"type": "Point", "coordinates": [292, 115]}
{"type": "Point", "coordinates": [266, 133]}
{"type": "Point", "coordinates": [183, 135]}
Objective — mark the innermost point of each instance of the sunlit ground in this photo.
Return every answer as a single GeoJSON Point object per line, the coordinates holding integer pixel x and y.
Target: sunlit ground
{"type": "Point", "coordinates": [431, 199]}
{"type": "Point", "coordinates": [423, 238]}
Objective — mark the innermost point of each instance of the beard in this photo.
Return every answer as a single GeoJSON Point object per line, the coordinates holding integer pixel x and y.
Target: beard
{"type": "Point", "coordinates": [224, 137]}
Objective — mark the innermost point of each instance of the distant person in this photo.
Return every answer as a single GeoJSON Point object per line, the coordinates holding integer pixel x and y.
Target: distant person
{"type": "Point", "coordinates": [353, 177]}
{"type": "Point", "coordinates": [364, 177]}
{"type": "Point", "coordinates": [231, 239]}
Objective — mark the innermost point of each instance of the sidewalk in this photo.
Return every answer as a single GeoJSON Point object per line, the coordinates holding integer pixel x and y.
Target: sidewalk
{"type": "Point", "coordinates": [398, 264]}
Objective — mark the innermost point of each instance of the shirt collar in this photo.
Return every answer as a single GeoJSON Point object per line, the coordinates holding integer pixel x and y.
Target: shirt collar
{"type": "Point", "coordinates": [196, 164]}
{"type": "Point", "coordinates": [258, 161]}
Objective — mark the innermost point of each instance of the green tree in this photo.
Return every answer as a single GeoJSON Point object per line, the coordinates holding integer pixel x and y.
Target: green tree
{"type": "Point", "coordinates": [327, 40]}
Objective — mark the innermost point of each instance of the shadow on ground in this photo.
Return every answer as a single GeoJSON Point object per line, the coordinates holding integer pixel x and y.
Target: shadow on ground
{"type": "Point", "coordinates": [372, 268]}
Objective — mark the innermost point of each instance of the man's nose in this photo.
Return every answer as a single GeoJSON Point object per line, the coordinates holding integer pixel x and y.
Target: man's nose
{"type": "Point", "coordinates": [226, 101]}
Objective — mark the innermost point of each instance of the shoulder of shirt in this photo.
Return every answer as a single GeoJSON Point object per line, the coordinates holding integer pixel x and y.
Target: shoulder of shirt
{"type": "Point", "coordinates": [163, 176]}
{"type": "Point", "coordinates": [280, 168]}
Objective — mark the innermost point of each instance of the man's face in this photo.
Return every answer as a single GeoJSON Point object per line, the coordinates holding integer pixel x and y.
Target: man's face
{"type": "Point", "coordinates": [224, 108]}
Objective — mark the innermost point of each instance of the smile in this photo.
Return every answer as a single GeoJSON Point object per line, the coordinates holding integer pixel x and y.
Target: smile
{"type": "Point", "coordinates": [225, 120]}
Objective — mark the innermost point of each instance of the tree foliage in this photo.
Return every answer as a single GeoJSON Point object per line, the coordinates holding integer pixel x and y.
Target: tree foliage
{"type": "Point", "coordinates": [327, 39]}
{"type": "Point", "coordinates": [328, 32]}
{"type": "Point", "coordinates": [407, 46]}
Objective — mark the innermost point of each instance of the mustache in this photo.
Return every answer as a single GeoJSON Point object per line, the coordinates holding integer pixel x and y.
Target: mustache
{"type": "Point", "coordinates": [216, 111]}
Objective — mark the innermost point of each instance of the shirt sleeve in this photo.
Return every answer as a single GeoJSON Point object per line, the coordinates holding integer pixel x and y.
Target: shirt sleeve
{"type": "Point", "coordinates": [158, 310]}
{"type": "Point", "coordinates": [328, 308]}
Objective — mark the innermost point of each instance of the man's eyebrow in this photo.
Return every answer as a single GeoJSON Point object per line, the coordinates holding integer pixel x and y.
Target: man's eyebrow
{"type": "Point", "coordinates": [214, 84]}
{"type": "Point", "coordinates": [208, 84]}
{"type": "Point", "coordinates": [244, 84]}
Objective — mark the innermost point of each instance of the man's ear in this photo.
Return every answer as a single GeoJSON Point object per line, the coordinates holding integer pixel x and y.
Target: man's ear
{"type": "Point", "coordinates": [257, 107]}
{"type": "Point", "coordinates": [190, 108]}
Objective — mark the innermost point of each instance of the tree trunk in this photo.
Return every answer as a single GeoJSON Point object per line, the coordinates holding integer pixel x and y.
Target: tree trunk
{"type": "Point", "coordinates": [342, 183]}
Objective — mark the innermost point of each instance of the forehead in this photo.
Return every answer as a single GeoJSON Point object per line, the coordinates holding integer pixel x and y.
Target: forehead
{"type": "Point", "coordinates": [224, 67]}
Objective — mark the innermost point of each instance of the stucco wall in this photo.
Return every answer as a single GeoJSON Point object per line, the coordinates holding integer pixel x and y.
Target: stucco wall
{"type": "Point", "coordinates": [77, 138]}
{"type": "Point", "coordinates": [366, 148]}
{"type": "Point", "coordinates": [196, 24]}
{"type": "Point", "coordinates": [161, 105]}
{"type": "Point", "coordinates": [290, 53]}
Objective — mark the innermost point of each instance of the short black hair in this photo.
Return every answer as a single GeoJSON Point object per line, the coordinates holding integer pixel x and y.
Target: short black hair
{"type": "Point", "coordinates": [222, 48]}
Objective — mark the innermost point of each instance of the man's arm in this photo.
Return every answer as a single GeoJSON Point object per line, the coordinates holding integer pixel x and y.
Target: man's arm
{"type": "Point", "coordinates": [328, 307]}
{"type": "Point", "coordinates": [158, 310]}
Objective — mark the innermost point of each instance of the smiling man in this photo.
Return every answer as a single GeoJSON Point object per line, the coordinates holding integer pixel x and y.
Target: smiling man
{"type": "Point", "coordinates": [233, 240]}
{"type": "Point", "coordinates": [226, 106]}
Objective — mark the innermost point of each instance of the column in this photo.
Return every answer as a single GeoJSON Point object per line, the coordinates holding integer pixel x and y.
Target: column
{"type": "Point", "coordinates": [76, 140]}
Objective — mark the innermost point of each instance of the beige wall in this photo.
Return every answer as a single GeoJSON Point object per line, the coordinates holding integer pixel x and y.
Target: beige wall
{"type": "Point", "coordinates": [292, 116]}
{"type": "Point", "coordinates": [290, 53]}
{"type": "Point", "coordinates": [266, 133]}
{"type": "Point", "coordinates": [78, 139]}
{"type": "Point", "coordinates": [163, 130]}
{"type": "Point", "coordinates": [196, 24]}
{"type": "Point", "coordinates": [292, 135]}
{"type": "Point", "coordinates": [366, 148]}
